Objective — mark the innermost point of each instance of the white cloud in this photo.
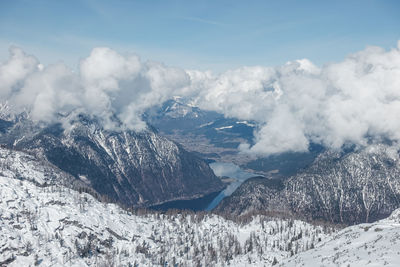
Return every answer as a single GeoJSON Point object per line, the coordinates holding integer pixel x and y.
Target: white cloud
{"type": "Point", "coordinates": [354, 101]}
{"type": "Point", "coordinates": [15, 70]}
{"type": "Point", "coordinates": [107, 85]}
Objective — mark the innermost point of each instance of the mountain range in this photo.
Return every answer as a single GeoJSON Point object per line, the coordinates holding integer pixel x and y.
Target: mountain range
{"type": "Point", "coordinates": [71, 192]}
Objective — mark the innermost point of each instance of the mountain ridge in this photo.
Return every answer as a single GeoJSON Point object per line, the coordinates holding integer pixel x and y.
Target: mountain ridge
{"type": "Point", "coordinates": [136, 169]}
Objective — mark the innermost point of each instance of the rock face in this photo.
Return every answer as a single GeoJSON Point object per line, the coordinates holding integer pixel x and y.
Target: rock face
{"type": "Point", "coordinates": [354, 187]}
{"type": "Point", "coordinates": [135, 169]}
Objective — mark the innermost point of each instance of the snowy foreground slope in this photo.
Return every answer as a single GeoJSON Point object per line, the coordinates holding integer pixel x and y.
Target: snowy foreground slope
{"type": "Point", "coordinates": [45, 223]}
{"type": "Point", "coordinates": [48, 224]}
{"type": "Point", "coordinates": [370, 244]}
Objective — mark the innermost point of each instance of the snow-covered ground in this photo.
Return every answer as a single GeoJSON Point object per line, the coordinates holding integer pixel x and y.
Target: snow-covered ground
{"type": "Point", "coordinates": [52, 225]}
{"type": "Point", "coordinates": [370, 244]}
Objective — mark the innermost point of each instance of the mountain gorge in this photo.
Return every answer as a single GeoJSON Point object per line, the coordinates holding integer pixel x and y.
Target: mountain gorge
{"type": "Point", "coordinates": [340, 186]}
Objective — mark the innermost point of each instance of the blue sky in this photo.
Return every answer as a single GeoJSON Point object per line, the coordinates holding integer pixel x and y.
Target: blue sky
{"type": "Point", "coordinates": [215, 35]}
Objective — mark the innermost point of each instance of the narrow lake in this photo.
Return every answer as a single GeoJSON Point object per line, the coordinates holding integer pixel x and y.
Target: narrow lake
{"type": "Point", "coordinates": [210, 201]}
{"type": "Point", "coordinates": [230, 170]}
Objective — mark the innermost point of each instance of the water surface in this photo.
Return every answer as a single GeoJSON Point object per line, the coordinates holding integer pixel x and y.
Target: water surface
{"type": "Point", "coordinates": [232, 171]}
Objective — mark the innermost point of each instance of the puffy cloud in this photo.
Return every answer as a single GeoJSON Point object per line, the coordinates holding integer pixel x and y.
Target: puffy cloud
{"type": "Point", "coordinates": [106, 85]}
{"type": "Point", "coordinates": [48, 91]}
{"type": "Point", "coordinates": [159, 83]}
{"type": "Point", "coordinates": [15, 70]}
{"type": "Point", "coordinates": [102, 72]}
{"type": "Point", "coordinates": [282, 133]}
{"type": "Point", "coordinates": [355, 101]}
{"type": "Point", "coordinates": [240, 93]}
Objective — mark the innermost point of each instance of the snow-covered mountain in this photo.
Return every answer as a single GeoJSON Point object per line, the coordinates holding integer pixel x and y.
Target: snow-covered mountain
{"type": "Point", "coordinates": [45, 223]}
{"type": "Point", "coordinates": [132, 168]}
{"type": "Point", "coordinates": [353, 187]}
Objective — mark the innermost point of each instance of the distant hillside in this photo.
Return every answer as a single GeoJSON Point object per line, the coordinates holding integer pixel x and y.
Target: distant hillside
{"type": "Point", "coordinates": [353, 187]}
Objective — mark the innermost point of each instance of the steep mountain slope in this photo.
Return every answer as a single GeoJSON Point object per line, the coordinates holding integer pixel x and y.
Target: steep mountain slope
{"type": "Point", "coordinates": [48, 224]}
{"type": "Point", "coordinates": [374, 244]}
{"type": "Point", "coordinates": [354, 187]}
{"type": "Point", "coordinates": [135, 169]}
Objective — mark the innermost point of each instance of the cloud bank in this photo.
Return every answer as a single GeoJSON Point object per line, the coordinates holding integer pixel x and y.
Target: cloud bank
{"type": "Point", "coordinates": [355, 101]}
{"type": "Point", "coordinates": [106, 84]}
